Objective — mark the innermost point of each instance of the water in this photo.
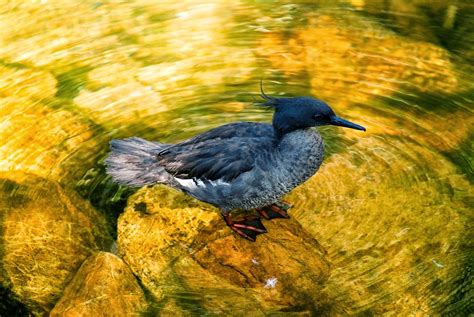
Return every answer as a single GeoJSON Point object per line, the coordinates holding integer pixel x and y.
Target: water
{"type": "Point", "coordinates": [392, 206]}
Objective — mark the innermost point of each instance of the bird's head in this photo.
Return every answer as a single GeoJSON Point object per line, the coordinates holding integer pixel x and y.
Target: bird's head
{"type": "Point", "coordinates": [303, 112]}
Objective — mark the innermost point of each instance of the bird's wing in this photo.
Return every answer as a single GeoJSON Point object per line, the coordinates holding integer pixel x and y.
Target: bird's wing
{"type": "Point", "coordinates": [222, 153]}
{"type": "Point", "coordinates": [233, 130]}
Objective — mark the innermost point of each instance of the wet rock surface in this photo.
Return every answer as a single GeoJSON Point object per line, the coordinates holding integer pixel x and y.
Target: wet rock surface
{"type": "Point", "coordinates": [167, 237]}
{"type": "Point", "coordinates": [47, 231]}
{"type": "Point", "coordinates": [103, 286]}
{"type": "Point", "coordinates": [286, 267]}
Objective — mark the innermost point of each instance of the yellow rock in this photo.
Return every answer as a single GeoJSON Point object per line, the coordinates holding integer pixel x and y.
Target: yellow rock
{"type": "Point", "coordinates": [194, 31]}
{"type": "Point", "coordinates": [35, 84]}
{"type": "Point", "coordinates": [171, 308]}
{"type": "Point", "coordinates": [103, 285]}
{"type": "Point", "coordinates": [452, 127]}
{"type": "Point", "coordinates": [50, 143]}
{"type": "Point", "coordinates": [285, 267]}
{"type": "Point", "coordinates": [386, 213]}
{"type": "Point", "coordinates": [210, 294]}
{"type": "Point", "coordinates": [177, 244]}
{"type": "Point", "coordinates": [189, 54]}
{"type": "Point", "coordinates": [359, 67]}
{"type": "Point", "coordinates": [413, 19]}
{"type": "Point", "coordinates": [47, 232]}
{"type": "Point", "coordinates": [160, 225]}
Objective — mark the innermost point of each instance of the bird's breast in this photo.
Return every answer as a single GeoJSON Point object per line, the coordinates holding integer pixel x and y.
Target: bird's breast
{"type": "Point", "coordinates": [300, 155]}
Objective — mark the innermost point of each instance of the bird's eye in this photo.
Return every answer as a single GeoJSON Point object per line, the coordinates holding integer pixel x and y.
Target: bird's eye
{"type": "Point", "coordinates": [317, 116]}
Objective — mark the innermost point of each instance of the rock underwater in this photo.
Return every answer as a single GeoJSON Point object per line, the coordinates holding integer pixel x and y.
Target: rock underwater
{"type": "Point", "coordinates": [186, 257]}
{"type": "Point", "coordinates": [51, 143]}
{"type": "Point", "coordinates": [103, 284]}
{"type": "Point", "coordinates": [378, 62]}
{"type": "Point", "coordinates": [46, 232]}
{"type": "Point", "coordinates": [387, 258]}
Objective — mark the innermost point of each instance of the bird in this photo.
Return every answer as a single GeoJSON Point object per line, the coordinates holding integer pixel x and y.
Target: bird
{"type": "Point", "coordinates": [236, 166]}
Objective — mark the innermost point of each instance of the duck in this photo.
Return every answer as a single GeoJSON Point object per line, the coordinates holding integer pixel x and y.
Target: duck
{"type": "Point", "coordinates": [236, 166]}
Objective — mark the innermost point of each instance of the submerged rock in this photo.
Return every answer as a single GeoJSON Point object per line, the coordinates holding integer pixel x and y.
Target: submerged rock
{"type": "Point", "coordinates": [103, 285]}
{"type": "Point", "coordinates": [410, 18]}
{"type": "Point", "coordinates": [446, 23]}
{"type": "Point", "coordinates": [48, 142]}
{"type": "Point", "coordinates": [457, 33]}
{"type": "Point", "coordinates": [47, 232]}
{"type": "Point", "coordinates": [158, 226]}
{"type": "Point", "coordinates": [374, 62]}
{"type": "Point", "coordinates": [177, 245]}
{"type": "Point", "coordinates": [111, 75]}
{"type": "Point", "coordinates": [285, 267]}
{"type": "Point", "coordinates": [391, 215]}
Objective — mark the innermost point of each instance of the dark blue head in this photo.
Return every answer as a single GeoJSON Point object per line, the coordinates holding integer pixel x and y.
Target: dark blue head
{"type": "Point", "coordinates": [303, 112]}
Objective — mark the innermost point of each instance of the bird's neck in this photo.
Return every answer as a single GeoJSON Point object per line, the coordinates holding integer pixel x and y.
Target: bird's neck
{"type": "Point", "coordinates": [282, 127]}
{"type": "Point", "coordinates": [301, 151]}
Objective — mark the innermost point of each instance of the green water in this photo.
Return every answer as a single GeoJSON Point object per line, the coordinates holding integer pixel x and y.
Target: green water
{"type": "Point", "coordinates": [392, 206]}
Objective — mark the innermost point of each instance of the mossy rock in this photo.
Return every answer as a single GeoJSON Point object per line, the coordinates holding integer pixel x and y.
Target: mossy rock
{"type": "Point", "coordinates": [157, 227]}
{"type": "Point", "coordinates": [47, 232]}
{"type": "Point", "coordinates": [103, 285]}
{"type": "Point", "coordinates": [178, 245]}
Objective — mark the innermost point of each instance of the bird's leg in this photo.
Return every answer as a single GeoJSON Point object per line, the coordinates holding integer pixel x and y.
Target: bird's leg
{"type": "Point", "coordinates": [276, 210]}
{"type": "Point", "coordinates": [249, 227]}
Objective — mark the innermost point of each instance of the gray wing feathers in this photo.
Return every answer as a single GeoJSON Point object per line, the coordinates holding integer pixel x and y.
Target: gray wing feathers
{"type": "Point", "coordinates": [221, 153]}
{"type": "Point", "coordinates": [133, 162]}
{"type": "Point", "coordinates": [212, 159]}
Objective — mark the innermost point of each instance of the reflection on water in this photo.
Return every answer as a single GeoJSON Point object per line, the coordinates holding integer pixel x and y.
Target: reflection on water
{"type": "Point", "coordinates": [391, 206]}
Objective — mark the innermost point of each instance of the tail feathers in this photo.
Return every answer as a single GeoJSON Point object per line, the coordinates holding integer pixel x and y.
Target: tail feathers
{"type": "Point", "coordinates": [133, 162]}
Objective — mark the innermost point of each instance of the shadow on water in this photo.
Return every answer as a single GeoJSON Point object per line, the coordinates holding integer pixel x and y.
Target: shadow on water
{"type": "Point", "coordinates": [462, 157]}
{"type": "Point", "coordinates": [10, 305]}
{"type": "Point", "coordinates": [105, 195]}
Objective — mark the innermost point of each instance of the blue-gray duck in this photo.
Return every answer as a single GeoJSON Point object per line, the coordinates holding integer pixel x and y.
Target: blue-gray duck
{"type": "Point", "coordinates": [242, 165]}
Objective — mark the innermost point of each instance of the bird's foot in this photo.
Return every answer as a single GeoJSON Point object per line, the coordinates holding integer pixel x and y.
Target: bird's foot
{"type": "Point", "coordinates": [283, 204]}
{"type": "Point", "coordinates": [249, 227]}
{"type": "Point", "coordinates": [277, 210]}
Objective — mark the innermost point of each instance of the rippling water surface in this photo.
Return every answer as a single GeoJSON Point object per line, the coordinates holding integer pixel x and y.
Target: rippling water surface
{"type": "Point", "coordinates": [392, 206]}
